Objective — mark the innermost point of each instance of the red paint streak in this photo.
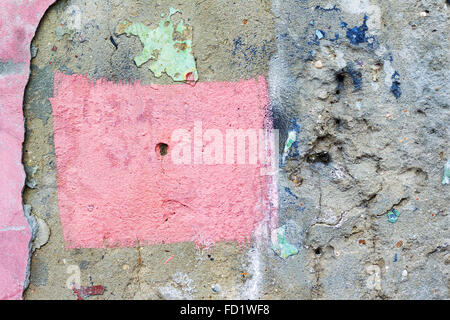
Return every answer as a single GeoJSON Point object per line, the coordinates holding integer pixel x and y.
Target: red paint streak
{"type": "Point", "coordinates": [190, 79]}
{"type": "Point", "coordinates": [115, 189]}
{"type": "Point", "coordinates": [85, 292]}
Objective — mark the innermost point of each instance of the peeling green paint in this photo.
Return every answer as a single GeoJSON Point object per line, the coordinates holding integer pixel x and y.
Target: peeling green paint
{"type": "Point", "coordinates": [280, 245]}
{"type": "Point", "coordinates": [292, 137]}
{"type": "Point", "coordinates": [169, 48]}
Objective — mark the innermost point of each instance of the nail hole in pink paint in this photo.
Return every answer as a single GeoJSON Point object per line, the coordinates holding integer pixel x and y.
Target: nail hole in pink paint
{"type": "Point", "coordinates": [162, 149]}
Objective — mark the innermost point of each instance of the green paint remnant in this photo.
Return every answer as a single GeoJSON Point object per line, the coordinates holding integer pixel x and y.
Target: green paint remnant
{"type": "Point", "coordinates": [169, 48]}
{"type": "Point", "coordinates": [446, 178]}
{"type": "Point", "coordinates": [393, 215]}
{"type": "Point", "coordinates": [280, 245]}
{"type": "Point", "coordinates": [292, 137]}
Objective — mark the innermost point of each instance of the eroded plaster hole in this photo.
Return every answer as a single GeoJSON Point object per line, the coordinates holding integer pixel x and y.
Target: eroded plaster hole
{"type": "Point", "coordinates": [340, 78]}
{"type": "Point", "coordinates": [162, 149]}
{"type": "Point", "coordinates": [322, 156]}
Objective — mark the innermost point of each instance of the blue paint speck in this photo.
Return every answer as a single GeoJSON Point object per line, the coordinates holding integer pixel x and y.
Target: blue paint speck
{"type": "Point", "coordinates": [395, 87]}
{"type": "Point", "coordinates": [335, 8]}
{"type": "Point", "coordinates": [248, 54]}
{"type": "Point", "coordinates": [357, 35]}
{"type": "Point", "coordinates": [396, 76]}
{"type": "Point", "coordinates": [294, 125]}
{"type": "Point", "coordinates": [290, 192]}
{"type": "Point", "coordinates": [237, 45]}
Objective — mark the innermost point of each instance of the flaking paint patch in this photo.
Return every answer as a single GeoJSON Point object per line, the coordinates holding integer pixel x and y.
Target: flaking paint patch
{"type": "Point", "coordinates": [358, 34]}
{"type": "Point", "coordinates": [105, 141]}
{"type": "Point", "coordinates": [169, 48]}
{"type": "Point", "coordinates": [280, 244]}
{"type": "Point", "coordinates": [85, 292]}
{"type": "Point", "coordinates": [291, 141]}
{"type": "Point", "coordinates": [18, 22]}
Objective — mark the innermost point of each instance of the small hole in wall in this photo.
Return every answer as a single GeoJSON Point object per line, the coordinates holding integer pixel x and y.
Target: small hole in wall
{"type": "Point", "coordinates": [337, 122]}
{"type": "Point", "coordinates": [340, 77]}
{"type": "Point", "coordinates": [322, 156]}
{"type": "Point", "coordinates": [162, 149]}
{"type": "Point", "coordinates": [318, 251]}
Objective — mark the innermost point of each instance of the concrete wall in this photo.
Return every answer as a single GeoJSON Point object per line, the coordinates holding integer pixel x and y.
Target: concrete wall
{"type": "Point", "coordinates": [356, 90]}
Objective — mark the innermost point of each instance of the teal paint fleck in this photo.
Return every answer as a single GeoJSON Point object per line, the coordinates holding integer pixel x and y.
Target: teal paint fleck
{"type": "Point", "coordinates": [320, 34]}
{"type": "Point", "coordinates": [169, 48]}
{"type": "Point", "coordinates": [446, 178]}
{"type": "Point", "coordinates": [280, 245]}
{"type": "Point", "coordinates": [393, 215]}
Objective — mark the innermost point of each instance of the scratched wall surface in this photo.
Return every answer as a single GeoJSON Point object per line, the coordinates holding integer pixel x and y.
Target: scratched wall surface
{"type": "Point", "coordinates": [357, 89]}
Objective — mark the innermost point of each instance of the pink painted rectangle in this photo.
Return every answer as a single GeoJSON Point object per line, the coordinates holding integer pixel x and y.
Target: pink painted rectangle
{"type": "Point", "coordinates": [116, 189]}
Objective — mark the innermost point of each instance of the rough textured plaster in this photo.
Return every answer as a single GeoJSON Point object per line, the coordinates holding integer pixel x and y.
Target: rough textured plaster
{"type": "Point", "coordinates": [372, 102]}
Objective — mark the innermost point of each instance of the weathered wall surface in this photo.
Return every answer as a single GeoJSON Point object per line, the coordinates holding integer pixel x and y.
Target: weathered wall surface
{"type": "Point", "coordinates": [226, 49]}
{"type": "Point", "coordinates": [358, 90]}
{"type": "Point", "coordinates": [366, 80]}
{"type": "Point", "coordinates": [16, 226]}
